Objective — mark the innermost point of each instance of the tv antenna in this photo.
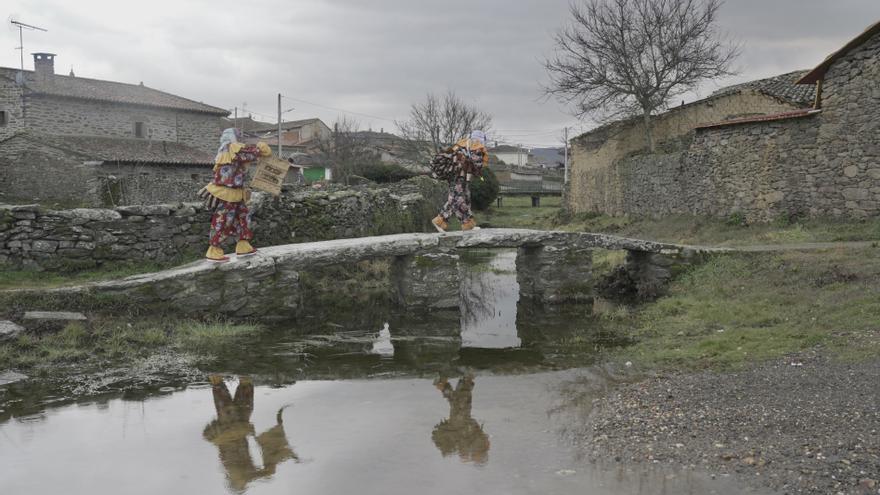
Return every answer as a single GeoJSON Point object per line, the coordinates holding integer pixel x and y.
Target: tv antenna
{"type": "Point", "coordinates": [21, 27]}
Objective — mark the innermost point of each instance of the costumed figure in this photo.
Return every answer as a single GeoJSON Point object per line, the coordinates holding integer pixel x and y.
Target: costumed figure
{"type": "Point", "coordinates": [232, 428]}
{"type": "Point", "coordinates": [459, 165]}
{"type": "Point", "coordinates": [460, 433]}
{"type": "Point", "coordinates": [227, 195]}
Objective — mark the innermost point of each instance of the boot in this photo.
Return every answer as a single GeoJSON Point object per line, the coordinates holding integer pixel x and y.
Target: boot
{"type": "Point", "coordinates": [440, 223]}
{"type": "Point", "coordinates": [244, 248]}
{"type": "Point", "coordinates": [215, 254]}
{"type": "Point", "coordinates": [469, 224]}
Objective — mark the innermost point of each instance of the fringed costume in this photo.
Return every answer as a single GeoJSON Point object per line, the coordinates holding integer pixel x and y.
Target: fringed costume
{"type": "Point", "coordinates": [468, 156]}
{"type": "Point", "coordinates": [227, 195]}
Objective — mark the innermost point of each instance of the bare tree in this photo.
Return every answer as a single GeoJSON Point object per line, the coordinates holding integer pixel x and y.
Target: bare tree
{"type": "Point", "coordinates": [438, 122]}
{"type": "Point", "coordinates": [628, 58]}
{"type": "Point", "coordinates": [346, 150]}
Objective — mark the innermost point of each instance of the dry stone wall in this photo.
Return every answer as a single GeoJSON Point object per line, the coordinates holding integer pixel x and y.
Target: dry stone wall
{"type": "Point", "coordinates": [823, 165]}
{"type": "Point", "coordinates": [37, 238]}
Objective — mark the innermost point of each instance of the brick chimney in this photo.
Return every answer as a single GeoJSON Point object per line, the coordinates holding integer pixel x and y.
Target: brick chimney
{"type": "Point", "coordinates": [44, 67]}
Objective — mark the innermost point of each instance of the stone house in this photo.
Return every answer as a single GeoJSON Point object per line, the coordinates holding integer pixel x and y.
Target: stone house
{"type": "Point", "coordinates": [297, 136]}
{"type": "Point", "coordinates": [76, 141]}
{"type": "Point", "coordinates": [760, 151]}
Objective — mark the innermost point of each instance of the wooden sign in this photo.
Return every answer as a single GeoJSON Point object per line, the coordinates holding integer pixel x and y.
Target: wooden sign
{"type": "Point", "coordinates": [269, 175]}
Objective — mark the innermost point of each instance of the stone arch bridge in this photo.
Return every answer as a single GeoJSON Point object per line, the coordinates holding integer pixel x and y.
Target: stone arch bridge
{"type": "Point", "coordinates": [552, 268]}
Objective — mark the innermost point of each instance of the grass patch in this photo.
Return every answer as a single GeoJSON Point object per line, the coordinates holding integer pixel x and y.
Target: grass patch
{"type": "Point", "coordinates": [69, 275]}
{"type": "Point", "coordinates": [736, 309]}
{"type": "Point", "coordinates": [687, 229]}
{"type": "Point", "coordinates": [518, 212]}
{"type": "Point", "coordinates": [605, 261]}
{"type": "Point", "coordinates": [121, 341]}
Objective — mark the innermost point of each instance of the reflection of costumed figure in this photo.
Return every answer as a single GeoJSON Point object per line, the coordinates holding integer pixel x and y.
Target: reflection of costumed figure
{"type": "Point", "coordinates": [227, 195]}
{"type": "Point", "coordinates": [460, 433]}
{"type": "Point", "coordinates": [469, 155]}
{"type": "Point", "coordinates": [230, 430]}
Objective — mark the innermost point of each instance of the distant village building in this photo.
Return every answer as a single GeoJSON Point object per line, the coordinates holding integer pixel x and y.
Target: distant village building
{"type": "Point", "coordinates": [297, 136]}
{"type": "Point", "coordinates": [79, 141]}
{"type": "Point", "coordinates": [799, 144]}
{"type": "Point", "coordinates": [511, 155]}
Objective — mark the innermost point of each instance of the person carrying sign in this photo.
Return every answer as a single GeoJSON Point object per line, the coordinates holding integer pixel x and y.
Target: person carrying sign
{"type": "Point", "coordinates": [468, 156]}
{"type": "Point", "coordinates": [227, 195]}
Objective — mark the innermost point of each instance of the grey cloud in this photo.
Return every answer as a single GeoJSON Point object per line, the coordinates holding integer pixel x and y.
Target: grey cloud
{"type": "Point", "coordinates": [378, 57]}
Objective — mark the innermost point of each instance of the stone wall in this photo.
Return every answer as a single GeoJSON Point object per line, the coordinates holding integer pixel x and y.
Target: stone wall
{"type": "Point", "coordinates": [148, 184]}
{"type": "Point", "coordinates": [33, 237]}
{"type": "Point", "coordinates": [594, 153]}
{"type": "Point", "coordinates": [69, 116]}
{"type": "Point", "coordinates": [46, 175]}
{"type": "Point", "coordinates": [10, 102]}
{"type": "Point", "coordinates": [62, 179]}
{"type": "Point", "coordinates": [823, 165]}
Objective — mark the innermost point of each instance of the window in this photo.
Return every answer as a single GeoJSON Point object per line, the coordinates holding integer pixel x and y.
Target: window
{"type": "Point", "coordinates": [4, 119]}
{"type": "Point", "coordinates": [139, 129]}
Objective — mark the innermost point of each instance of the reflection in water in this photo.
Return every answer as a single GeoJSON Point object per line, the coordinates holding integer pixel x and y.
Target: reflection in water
{"type": "Point", "coordinates": [460, 433]}
{"type": "Point", "coordinates": [382, 345]}
{"type": "Point", "coordinates": [488, 300]}
{"type": "Point", "coordinates": [232, 429]}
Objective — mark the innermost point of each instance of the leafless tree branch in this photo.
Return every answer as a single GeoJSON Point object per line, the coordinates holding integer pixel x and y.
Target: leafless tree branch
{"type": "Point", "coordinates": [626, 58]}
{"type": "Point", "coordinates": [438, 122]}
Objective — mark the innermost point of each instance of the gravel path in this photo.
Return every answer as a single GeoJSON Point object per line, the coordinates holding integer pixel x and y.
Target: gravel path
{"type": "Point", "coordinates": [798, 426]}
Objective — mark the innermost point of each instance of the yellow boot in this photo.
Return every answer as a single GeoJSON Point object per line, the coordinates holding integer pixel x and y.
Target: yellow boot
{"type": "Point", "coordinates": [469, 224]}
{"type": "Point", "coordinates": [244, 248]}
{"type": "Point", "coordinates": [215, 254]}
{"type": "Point", "coordinates": [440, 223]}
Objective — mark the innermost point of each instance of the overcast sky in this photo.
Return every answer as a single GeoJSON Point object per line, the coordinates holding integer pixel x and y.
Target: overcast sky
{"type": "Point", "coordinates": [374, 58]}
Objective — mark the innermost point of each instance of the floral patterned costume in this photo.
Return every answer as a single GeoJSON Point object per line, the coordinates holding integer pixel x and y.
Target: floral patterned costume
{"type": "Point", "coordinates": [228, 196]}
{"type": "Point", "coordinates": [470, 156]}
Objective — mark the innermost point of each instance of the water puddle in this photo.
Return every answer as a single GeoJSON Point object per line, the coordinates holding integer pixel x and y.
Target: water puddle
{"type": "Point", "coordinates": [375, 402]}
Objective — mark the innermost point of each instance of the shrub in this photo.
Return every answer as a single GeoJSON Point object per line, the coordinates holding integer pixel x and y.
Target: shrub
{"type": "Point", "coordinates": [386, 172]}
{"type": "Point", "coordinates": [485, 190]}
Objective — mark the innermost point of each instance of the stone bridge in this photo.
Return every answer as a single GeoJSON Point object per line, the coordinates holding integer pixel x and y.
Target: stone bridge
{"type": "Point", "coordinates": [552, 268]}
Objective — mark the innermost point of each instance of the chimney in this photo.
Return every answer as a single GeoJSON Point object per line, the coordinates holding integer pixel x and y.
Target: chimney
{"type": "Point", "coordinates": [44, 67]}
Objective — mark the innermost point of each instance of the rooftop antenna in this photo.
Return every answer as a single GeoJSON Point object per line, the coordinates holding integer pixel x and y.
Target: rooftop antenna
{"type": "Point", "coordinates": [21, 27]}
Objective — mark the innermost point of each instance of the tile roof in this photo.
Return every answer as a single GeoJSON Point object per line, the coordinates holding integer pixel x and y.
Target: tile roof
{"type": "Point", "coordinates": [292, 124]}
{"type": "Point", "coordinates": [116, 92]}
{"type": "Point", "coordinates": [782, 87]}
{"type": "Point", "coordinates": [247, 124]}
{"type": "Point", "coordinates": [506, 148]}
{"type": "Point", "coordinates": [805, 112]}
{"type": "Point", "coordinates": [125, 150]}
{"type": "Point", "coordinates": [818, 73]}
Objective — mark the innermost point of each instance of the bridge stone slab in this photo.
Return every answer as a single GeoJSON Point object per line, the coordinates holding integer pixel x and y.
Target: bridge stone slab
{"type": "Point", "coordinates": [553, 267]}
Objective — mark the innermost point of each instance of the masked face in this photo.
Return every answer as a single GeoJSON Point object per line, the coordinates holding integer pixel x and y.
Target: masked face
{"type": "Point", "coordinates": [478, 136]}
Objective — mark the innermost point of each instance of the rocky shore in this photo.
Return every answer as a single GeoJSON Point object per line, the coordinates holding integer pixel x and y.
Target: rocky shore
{"type": "Point", "coordinates": [802, 425]}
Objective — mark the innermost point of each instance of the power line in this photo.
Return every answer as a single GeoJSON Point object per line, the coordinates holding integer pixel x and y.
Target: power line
{"type": "Point", "coordinates": [339, 109]}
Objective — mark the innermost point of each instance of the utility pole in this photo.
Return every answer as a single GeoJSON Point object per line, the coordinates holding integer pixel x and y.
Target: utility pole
{"type": "Point", "coordinates": [565, 179]}
{"type": "Point", "coordinates": [235, 117]}
{"type": "Point", "coordinates": [279, 125]}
